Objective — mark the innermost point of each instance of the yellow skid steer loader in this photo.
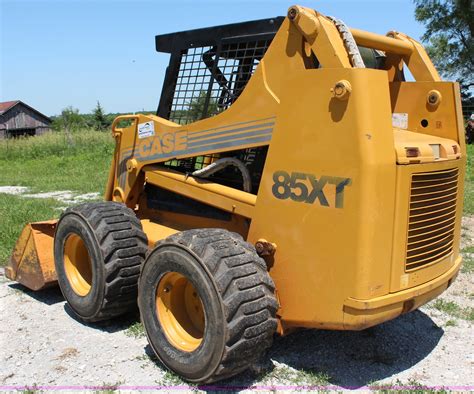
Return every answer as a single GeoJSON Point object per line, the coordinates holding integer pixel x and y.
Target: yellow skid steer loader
{"type": "Point", "coordinates": [291, 178]}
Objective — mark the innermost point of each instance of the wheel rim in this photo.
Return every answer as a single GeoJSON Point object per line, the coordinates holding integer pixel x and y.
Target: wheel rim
{"type": "Point", "coordinates": [77, 265]}
{"type": "Point", "coordinates": [180, 311]}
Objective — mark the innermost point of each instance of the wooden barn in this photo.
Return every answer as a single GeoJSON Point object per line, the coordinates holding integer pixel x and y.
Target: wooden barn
{"type": "Point", "coordinates": [19, 119]}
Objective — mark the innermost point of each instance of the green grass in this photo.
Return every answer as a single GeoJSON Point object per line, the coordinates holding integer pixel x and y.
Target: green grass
{"type": "Point", "coordinates": [31, 389]}
{"type": "Point", "coordinates": [136, 330]}
{"type": "Point", "coordinates": [453, 309]}
{"type": "Point", "coordinates": [15, 212]}
{"type": "Point", "coordinates": [171, 379]}
{"type": "Point", "coordinates": [51, 163]}
{"type": "Point", "coordinates": [467, 265]}
{"type": "Point", "coordinates": [48, 163]}
{"type": "Point", "coordinates": [469, 182]}
{"type": "Point", "coordinates": [451, 323]}
{"type": "Point", "coordinates": [412, 386]}
{"type": "Point", "coordinates": [300, 377]}
{"type": "Point", "coordinates": [108, 388]}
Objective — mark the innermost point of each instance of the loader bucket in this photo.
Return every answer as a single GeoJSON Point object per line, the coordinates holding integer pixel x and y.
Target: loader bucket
{"type": "Point", "coordinates": [32, 260]}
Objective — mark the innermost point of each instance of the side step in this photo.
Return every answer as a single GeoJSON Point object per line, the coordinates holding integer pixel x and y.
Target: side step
{"type": "Point", "coordinates": [32, 260]}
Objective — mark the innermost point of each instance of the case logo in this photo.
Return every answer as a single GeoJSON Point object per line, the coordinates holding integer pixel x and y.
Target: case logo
{"type": "Point", "coordinates": [163, 144]}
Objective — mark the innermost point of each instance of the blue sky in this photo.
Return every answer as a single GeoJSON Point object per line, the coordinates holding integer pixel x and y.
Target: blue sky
{"type": "Point", "coordinates": [58, 53]}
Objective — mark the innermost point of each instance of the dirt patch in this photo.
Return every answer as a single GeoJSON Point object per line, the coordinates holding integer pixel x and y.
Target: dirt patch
{"type": "Point", "coordinates": [66, 197]}
{"type": "Point", "coordinates": [14, 190]}
{"type": "Point", "coordinates": [67, 353]}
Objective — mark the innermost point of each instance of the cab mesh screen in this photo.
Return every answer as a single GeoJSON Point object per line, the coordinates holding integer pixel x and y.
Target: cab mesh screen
{"type": "Point", "coordinates": [211, 78]}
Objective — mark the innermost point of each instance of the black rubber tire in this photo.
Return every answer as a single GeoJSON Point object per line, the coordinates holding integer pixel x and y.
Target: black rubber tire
{"type": "Point", "coordinates": [237, 294]}
{"type": "Point", "coordinates": [117, 247]}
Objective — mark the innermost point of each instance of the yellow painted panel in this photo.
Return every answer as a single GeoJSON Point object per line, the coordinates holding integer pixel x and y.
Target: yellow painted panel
{"type": "Point", "coordinates": [324, 253]}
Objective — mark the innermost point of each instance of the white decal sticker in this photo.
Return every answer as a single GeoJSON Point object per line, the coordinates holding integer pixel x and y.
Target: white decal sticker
{"type": "Point", "coordinates": [400, 120]}
{"type": "Point", "coordinates": [146, 130]}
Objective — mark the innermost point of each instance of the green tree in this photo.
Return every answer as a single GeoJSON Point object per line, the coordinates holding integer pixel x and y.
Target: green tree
{"type": "Point", "coordinates": [100, 121]}
{"type": "Point", "coordinates": [197, 107]}
{"type": "Point", "coordinates": [449, 29]}
{"type": "Point", "coordinates": [69, 121]}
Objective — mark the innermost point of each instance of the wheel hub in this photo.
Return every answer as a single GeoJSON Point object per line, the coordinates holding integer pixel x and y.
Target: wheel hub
{"type": "Point", "coordinates": [77, 265]}
{"type": "Point", "coordinates": [180, 311]}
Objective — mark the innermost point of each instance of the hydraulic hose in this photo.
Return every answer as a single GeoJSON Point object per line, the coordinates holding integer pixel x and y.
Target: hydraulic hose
{"type": "Point", "coordinates": [223, 163]}
{"type": "Point", "coordinates": [349, 42]}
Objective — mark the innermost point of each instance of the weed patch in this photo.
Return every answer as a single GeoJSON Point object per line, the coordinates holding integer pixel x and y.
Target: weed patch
{"type": "Point", "coordinates": [136, 330]}
{"type": "Point", "coordinates": [410, 387]}
{"type": "Point", "coordinates": [297, 377]}
{"type": "Point", "coordinates": [467, 264]}
{"type": "Point", "coordinates": [453, 309]}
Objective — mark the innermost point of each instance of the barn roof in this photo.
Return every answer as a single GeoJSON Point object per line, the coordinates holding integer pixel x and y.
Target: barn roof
{"type": "Point", "coordinates": [5, 106]}
{"type": "Point", "coordinates": [8, 105]}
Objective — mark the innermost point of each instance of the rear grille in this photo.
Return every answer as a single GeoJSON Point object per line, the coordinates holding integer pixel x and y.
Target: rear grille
{"type": "Point", "coordinates": [432, 219]}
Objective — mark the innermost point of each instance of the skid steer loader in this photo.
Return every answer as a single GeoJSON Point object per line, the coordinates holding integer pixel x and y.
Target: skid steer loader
{"type": "Point", "coordinates": [291, 178]}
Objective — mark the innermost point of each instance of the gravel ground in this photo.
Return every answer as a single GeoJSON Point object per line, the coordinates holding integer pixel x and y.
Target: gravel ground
{"type": "Point", "coordinates": [42, 344]}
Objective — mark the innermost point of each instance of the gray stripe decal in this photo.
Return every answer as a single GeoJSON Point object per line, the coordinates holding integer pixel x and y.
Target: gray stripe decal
{"type": "Point", "coordinates": [228, 144]}
{"type": "Point", "coordinates": [230, 125]}
{"type": "Point", "coordinates": [229, 137]}
{"type": "Point", "coordinates": [130, 150]}
{"type": "Point", "coordinates": [229, 131]}
{"type": "Point", "coordinates": [122, 169]}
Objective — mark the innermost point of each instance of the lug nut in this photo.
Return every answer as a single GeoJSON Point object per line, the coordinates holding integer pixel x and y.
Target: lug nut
{"type": "Point", "coordinates": [342, 90]}
{"type": "Point", "coordinates": [433, 98]}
